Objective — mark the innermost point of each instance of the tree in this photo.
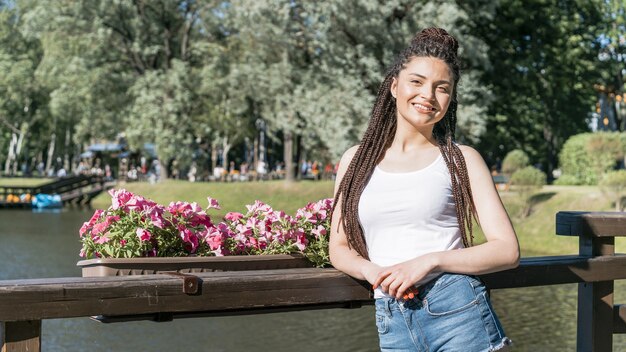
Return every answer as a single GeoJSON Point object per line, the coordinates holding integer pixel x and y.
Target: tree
{"type": "Point", "coordinates": [23, 101]}
{"type": "Point", "coordinates": [545, 63]}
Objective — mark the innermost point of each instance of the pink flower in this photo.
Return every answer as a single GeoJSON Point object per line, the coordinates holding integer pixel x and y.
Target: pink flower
{"type": "Point", "coordinates": [87, 225]}
{"type": "Point", "coordinates": [213, 204]}
{"type": "Point", "coordinates": [101, 239]}
{"type": "Point", "coordinates": [143, 234]}
{"type": "Point", "coordinates": [190, 239]}
{"type": "Point", "coordinates": [99, 228]}
{"type": "Point", "coordinates": [301, 241]}
{"type": "Point", "coordinates": [233, 216]}
{"type": "Point", "coordinates": [319, 231]}
{"type": "Point", "coordinates": [119, 198]}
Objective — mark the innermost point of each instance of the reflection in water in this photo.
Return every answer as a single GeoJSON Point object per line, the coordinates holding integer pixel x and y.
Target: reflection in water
{"type": "Point", "coordinates": [34, 245]}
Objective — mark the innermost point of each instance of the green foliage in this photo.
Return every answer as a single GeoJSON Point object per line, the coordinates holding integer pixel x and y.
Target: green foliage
{"type": "Point", "coordinates": [513, 161]}
{"type": "Point", "coordinates": [528, 177]}
{"type": "Point", "coordinates": [586, 157]}
{"type": "Point", "coordinates": [567, 180]}
{"type": "Point", "coordinates": [542, 75]}
{"type": "Point", "coordinates": [613, 184]}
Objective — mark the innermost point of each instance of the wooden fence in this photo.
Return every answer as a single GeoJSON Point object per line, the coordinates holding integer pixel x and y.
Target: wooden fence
{"type": "Point", "coordinates": [24, 303]}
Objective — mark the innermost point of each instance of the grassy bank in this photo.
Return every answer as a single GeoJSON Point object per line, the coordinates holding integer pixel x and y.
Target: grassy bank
{"type": "Point", "coordinates": [536, 232]}
{"type": "Point", "coordinates": [23, 182]}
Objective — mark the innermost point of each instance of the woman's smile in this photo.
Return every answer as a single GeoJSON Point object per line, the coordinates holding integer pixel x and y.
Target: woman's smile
{"type": "Point", "coordinates": [424, 108]}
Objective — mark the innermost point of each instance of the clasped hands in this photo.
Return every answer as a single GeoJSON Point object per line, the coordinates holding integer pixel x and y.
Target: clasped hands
{"type": "Point", "coordinates": [399, 280]}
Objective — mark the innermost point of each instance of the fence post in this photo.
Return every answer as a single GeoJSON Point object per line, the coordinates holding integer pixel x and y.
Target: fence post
{"type": "Point", "coordinates": [596, 233]}
{"type": "Point", "coordinates": [20, 336]}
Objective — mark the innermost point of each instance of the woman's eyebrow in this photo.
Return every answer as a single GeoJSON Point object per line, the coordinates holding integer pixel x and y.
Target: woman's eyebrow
{"type": "Point", "coordinates": [424, 77]}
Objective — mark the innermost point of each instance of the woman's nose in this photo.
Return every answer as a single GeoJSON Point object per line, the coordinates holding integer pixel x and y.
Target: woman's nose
{"type": "Point", "coordinates": [427, 92]}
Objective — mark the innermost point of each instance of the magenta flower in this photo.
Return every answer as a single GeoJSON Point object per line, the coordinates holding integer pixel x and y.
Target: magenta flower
{"type": "Point", "coordinates": [143, 234]}
{"type": "Point", "coordinates": [213, 204]}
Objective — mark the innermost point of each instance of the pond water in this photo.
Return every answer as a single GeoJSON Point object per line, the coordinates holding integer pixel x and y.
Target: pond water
{"type": "Point", "coordinates": [38, 245]}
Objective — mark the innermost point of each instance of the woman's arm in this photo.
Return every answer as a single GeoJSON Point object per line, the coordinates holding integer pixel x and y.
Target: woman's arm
{"type": "Point", "coordinates": [341, 256]}
{"type": "Point", "coordinates": [500, 252]}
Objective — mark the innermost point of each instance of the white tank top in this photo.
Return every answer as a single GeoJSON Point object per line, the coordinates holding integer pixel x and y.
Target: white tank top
{"type": "Point", "coordinates": [406, 215]}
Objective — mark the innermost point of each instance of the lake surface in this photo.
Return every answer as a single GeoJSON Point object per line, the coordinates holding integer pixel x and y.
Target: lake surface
{"type": "Point", "coordinates": [38, 245]}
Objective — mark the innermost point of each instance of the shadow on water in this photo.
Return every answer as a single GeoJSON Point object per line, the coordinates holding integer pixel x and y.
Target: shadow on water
{"type": "Point", "coordinates": [35, 245]}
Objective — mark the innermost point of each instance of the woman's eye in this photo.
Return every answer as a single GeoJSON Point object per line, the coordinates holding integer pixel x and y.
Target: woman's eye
{"type": "Point", "coordinates": [443, 89]}
{"type": "Point", "coordinates": [416, 82]}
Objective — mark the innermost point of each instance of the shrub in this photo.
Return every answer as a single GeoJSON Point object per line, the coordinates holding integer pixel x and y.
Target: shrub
{"type": "Point", "coordinates": [515, 160]}
{"type": "Point", "coordinates": [567, 180]}
{"type": "Point", "coordinates": [587, 156]}
{"type": "Point", "coordinates": [614, 185]}
{"type": "Point", "coordinates": [527, 181]}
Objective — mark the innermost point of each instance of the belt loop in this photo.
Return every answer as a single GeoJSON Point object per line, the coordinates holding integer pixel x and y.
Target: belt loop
{"type": "Point", "coordinates": [388, 307]}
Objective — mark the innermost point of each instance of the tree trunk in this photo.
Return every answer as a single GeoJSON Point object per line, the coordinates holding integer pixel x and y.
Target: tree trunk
{"type": "Point", "coordinates": [50, 153]}
{"type": "Point", "coordinates": [255, 158]}
{"type": "Point", "coordinates": [11, 153]}
{"type": "Point", "coordinates": [225, 149]}
{"type": "Point", "coordinates": [288, 156]}
{"type": "Point", "coordinates": [18, 149]}
{"type": "Point", "coordinates": [66, 155]}
{"type": "Point", "coordinates": [213, 155]}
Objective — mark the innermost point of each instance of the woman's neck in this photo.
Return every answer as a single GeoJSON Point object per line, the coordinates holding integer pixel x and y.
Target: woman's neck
{"type": "Point", "coordinates": [407, 141]}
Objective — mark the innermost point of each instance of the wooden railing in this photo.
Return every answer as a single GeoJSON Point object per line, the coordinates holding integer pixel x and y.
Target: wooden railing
{"type": "Point", "coordinates": [24, 303]}
{"type": "Point", "coordinates": [81, 188]}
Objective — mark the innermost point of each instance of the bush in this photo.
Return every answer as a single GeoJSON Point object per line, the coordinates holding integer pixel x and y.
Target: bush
{"type": "Point", "coordinates": [614, 185]}
{"type": "Point", "coordinates": [527, 181]}
{"type": "Point", "coordinates": [587, 156]}
{"type": "Point", "coordinates": [567, 180]}
{"type": "Point", "coordinates": [515, 160]}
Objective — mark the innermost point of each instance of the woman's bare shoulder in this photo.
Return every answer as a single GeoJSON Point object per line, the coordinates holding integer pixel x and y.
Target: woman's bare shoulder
{"type": "Point", "coordinates": [474, 161]}
{"type": "Point", "coordinates": [349, 154]}
{"type": "Point", "coordinates": [345, 161]}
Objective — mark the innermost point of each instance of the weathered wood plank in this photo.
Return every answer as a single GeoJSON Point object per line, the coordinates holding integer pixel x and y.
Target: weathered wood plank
{"type": "Point", "coordinates": [619, 319]}
{"type": "Point", "coordinates": [247, 291]}
{"type": "Point", "coordinates": [20, 336]}
{"type": "Point", "coordinates": [73, 297]}
{"type": "Point", "coordinates": [540, 271]}
{"type": "Point", "coordinates": [595, 301]}
{"type": "Point", "coordinates": [597, 224]}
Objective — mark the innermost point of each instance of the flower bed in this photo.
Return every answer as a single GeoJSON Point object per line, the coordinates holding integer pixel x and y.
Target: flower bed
{"type": "Point", "coordinates": [134, 226]}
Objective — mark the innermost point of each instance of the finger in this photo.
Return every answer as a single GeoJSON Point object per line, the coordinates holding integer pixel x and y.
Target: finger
{"type": "Point", "coordinates": [394, 289]}
{"type": "Point", "coordinates": [386, 283]}
{"type": "Point", "coordinates": [402, 289]}
{"type": "Point", "coordinates": [381, 276]}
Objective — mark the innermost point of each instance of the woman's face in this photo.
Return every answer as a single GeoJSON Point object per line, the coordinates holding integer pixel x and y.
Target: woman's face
{"type": "Point", "coordinates": [423, 91]}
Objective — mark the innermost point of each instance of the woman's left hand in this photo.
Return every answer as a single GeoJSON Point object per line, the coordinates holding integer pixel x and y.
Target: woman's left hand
{"type": "Point", "coordinates": [397, 279]}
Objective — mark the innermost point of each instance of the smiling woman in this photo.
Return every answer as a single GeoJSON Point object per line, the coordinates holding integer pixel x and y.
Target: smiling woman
{"type": "Point", "coordinates": [404, 208]}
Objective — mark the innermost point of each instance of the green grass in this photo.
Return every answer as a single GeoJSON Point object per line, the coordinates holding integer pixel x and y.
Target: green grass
{"type": "Point", "coordinates": [23, 182]}
{"type": "Point", "coordinates": [231, 196]}
{"type": "Point", "coordinates": [536, 232]}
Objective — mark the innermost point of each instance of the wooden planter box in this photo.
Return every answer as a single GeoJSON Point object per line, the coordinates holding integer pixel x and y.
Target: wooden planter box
{"type": "Point", "coordinates": [156, 265]}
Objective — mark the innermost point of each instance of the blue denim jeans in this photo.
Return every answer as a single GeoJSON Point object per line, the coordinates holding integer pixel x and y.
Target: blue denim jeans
{"type": "Point", "coordinates": [450, 313]}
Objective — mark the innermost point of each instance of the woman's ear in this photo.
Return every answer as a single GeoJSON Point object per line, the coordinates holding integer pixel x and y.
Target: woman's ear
{"type": "Point", "coordinates": [393, 89]}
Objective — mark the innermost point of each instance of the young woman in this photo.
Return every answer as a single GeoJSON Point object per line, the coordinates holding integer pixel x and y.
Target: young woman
{"type": "Point", "coordinates": [404, 202]}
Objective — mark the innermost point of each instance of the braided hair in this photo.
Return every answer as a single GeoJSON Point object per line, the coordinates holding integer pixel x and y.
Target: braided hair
{"type": "Point", "coordinates": [380, 132]}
